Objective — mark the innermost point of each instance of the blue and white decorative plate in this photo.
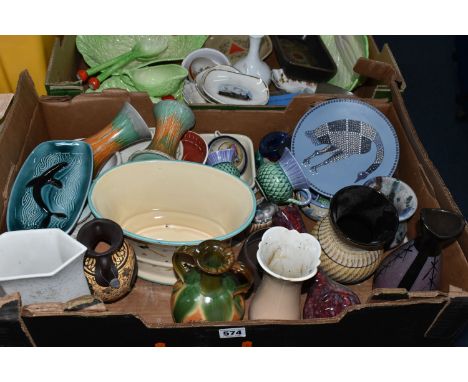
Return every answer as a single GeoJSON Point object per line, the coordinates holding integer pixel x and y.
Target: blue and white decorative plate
{"type": "Point", "coordinates": [51, 188]}
{"type": "Point", "coordinates": [343, 142]}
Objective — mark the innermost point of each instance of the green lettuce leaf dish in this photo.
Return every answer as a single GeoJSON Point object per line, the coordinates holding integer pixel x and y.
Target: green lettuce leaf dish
{"type": "Point", "coordinates": [99, 49]}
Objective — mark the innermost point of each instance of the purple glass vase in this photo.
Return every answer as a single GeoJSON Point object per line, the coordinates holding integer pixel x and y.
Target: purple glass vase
{"type": "Point", "coordinates": [327, 298]}
{"type": "Point", "coordinates": [416, 265]}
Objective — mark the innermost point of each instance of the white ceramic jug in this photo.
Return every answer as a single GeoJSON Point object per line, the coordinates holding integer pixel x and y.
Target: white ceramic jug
{"type": "Point", "coordinates": [252, 64]}
{"type": "Point", "coordinates": [288, 258]}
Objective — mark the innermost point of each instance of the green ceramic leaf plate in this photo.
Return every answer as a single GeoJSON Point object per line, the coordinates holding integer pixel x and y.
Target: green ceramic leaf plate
{"type": "Point", "coordinates": [99, 49]}
{"type": "Point", "coordinates": [346, 50]}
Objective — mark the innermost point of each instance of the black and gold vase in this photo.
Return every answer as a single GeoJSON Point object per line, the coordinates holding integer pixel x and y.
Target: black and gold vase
{"type": "Point", "coordinates": [110, 264]}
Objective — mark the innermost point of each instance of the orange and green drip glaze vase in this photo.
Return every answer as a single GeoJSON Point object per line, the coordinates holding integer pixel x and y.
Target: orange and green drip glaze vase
{"type": "Point", "coordinates": [126, 128]}
{"type": "Point", "coordinates": [173, 120]}
{"type": "Point", "coordinates": [210, 284]}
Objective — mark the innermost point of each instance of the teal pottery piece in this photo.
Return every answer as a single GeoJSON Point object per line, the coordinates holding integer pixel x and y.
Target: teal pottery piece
{"type": "Point", "coordinates": [278, 180]}
{"type": "Point", "coordinates": [224, 160]}
{"type": "Point", "coordinates": [210, 283]}
{"type": "Point", "coordinates": [229, 168]}
{"type": "Point", "coordinates": [143, 155]}
{"type": "Point", "coordinates": [52, 186]}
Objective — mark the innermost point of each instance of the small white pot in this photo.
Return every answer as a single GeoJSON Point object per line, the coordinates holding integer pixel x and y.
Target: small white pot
{"type": "Point", "coordinates": [43, 265]}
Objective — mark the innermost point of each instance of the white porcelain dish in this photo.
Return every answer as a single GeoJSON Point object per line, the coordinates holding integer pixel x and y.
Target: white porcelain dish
{"type": "Point", "coordinates": [234, 88]}
{"type": "Point", "coordinates": [203, 58]}
{"type": "Point", "coordinates": [43, 265]}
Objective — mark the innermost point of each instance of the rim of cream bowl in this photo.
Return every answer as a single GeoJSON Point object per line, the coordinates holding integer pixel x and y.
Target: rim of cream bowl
{"type": "Point", "coordinates": [145, 239]}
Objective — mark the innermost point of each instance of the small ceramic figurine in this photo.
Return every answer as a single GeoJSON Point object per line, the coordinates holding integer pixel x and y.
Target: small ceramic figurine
{"type": "Point", "coordinates": [210, 285]}
{"type": "Point", "coordinates": [173, 120]}
{"type": "Point", "coordinates": [287, 258]}
{"type": "Point", "coordinates": [223, 160]}
{"type": "Point", "coordinates": [360, 224]}
{"type": "Point", "coordinates": [277, 181]}
{"type": "Point", "coordinates": [125, 129]}
{"type": "Point", "coordinates": [416, 265]}
{"type": "Point", "coordinates": [252, 64]}
{"type": "Point", "coordinates": [109, 263]}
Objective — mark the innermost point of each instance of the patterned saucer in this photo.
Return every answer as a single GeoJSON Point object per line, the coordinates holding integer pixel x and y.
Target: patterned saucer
{"type": "Point", "coordinates": [343, 142]}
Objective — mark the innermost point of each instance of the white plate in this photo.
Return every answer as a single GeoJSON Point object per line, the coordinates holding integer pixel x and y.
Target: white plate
{"type": "Point", "coordinates": [217, 81]}
{"type": "Point", "coordinates": [213, 55]}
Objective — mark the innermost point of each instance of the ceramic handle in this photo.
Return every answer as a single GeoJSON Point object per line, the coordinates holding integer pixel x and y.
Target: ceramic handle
{"type": "Point", "coordinates": [106, 273]}
{"type": "Point", "coordinates": [239, 269]}
{"type": "Point", "coordinates": [183, 261]}
{"type": "Point", "coordinates": [304, 202]}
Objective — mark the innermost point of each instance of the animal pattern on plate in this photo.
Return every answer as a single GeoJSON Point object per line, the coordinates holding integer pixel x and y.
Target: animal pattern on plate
{"type": "Point", "coordinates": [56, 199]}
{"type": "Point", "coordinates": [344, 138]}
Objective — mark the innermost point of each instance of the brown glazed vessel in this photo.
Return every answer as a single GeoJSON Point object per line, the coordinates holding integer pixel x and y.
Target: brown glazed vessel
{"type": "Point", "coordinates": [110, 264]}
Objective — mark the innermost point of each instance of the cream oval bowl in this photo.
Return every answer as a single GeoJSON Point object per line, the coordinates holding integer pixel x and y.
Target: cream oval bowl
{"type": "Point", "coordinates": [173, 203]}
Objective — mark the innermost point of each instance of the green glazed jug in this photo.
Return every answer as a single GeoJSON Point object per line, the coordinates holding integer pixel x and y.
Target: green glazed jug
{"type": "Point", "coordinates": [210, 283]}
{"type": "Point", "coordinates": [277, 181]}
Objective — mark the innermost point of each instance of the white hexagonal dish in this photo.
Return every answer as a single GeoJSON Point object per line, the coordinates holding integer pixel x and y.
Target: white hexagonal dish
{"type": "Point", "coordinates": [43, 265]}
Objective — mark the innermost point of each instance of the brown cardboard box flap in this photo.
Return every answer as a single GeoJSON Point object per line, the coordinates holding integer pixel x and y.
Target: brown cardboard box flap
{"type": "Point", "coordinates": [13, 330]}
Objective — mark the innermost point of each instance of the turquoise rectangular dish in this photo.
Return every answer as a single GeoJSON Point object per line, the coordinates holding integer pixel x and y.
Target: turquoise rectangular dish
{"type": "Point", "coordinates": [52, 186]}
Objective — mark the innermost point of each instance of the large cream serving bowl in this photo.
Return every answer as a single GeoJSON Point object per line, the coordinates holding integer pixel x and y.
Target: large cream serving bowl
{"type": "Point", "coordinates": [162, 205]}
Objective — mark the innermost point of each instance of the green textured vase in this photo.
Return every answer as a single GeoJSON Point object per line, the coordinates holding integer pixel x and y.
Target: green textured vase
{"type": "Point", "coordinates": [229, 168]}
{"type": "Point", "coordinates": [210, 284]}
{"type": "Point", "coordinates": [274, 183]}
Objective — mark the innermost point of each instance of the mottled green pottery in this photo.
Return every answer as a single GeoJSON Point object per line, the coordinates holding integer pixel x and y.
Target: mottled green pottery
{"type": "Point", "coordinates": [210, 285]}
{"type": "Point", "coordinates": [274, 183]}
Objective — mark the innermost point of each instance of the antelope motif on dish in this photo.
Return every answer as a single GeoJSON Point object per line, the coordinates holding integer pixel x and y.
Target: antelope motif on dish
{"type": "Point", "coordinates": [344, 138]}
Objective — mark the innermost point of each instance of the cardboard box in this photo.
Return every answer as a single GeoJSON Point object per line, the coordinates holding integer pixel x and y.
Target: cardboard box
{"type": "Point", "coordinates": [65, 61]}
{"type": "Point", "coordinates": [385, 317]}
